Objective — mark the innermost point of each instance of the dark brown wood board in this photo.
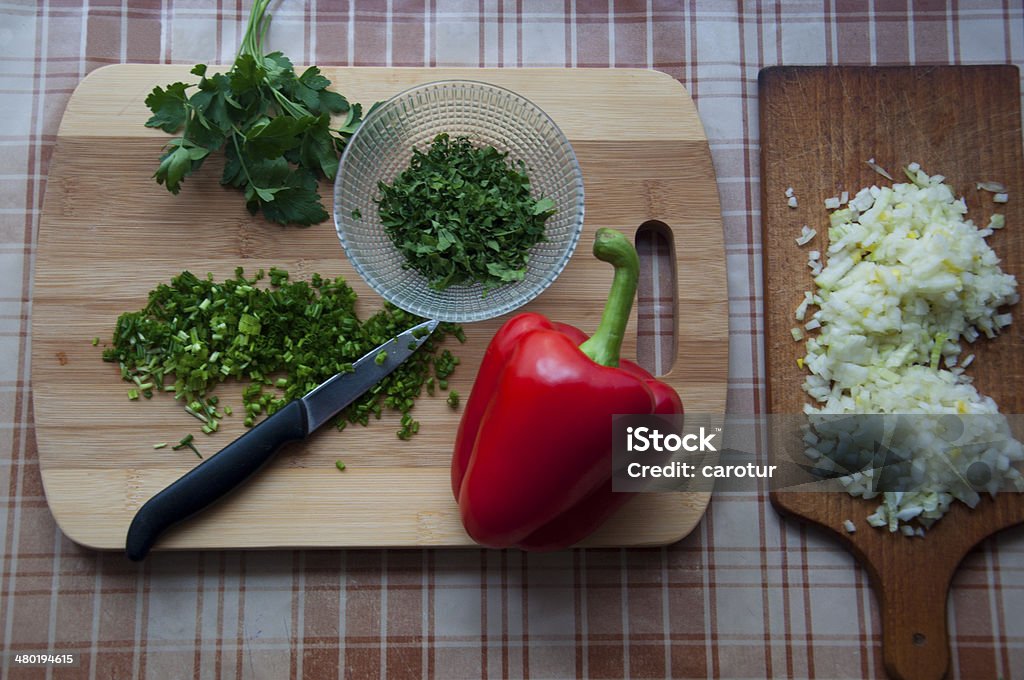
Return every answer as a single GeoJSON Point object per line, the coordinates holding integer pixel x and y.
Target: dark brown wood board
{"type": "Point", "coordinates": [818, 127]}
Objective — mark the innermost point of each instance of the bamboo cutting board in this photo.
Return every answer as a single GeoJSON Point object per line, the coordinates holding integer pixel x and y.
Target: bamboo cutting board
{"type": "Point", "coordinates": [108, 234]}
{"type": "Point", "coordinates": [818, 127]}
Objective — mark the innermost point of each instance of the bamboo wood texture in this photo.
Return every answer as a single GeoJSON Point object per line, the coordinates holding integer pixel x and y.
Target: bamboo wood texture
{"type": "Point", "coordinates": [818, 127]}
{"type": "Point", "coordinates": [109, 233]}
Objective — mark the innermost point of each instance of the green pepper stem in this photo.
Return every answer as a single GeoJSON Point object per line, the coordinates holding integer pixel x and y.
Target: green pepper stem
{"type": "Point", "coordinates": [614, 248]}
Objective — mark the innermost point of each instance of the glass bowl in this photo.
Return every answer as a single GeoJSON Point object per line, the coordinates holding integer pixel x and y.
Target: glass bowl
{"type": "Point", "coordinates": [488, 115]}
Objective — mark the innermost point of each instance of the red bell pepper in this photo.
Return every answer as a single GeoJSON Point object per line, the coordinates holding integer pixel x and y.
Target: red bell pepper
{"type": "Point", "coordinates": [532, 461]}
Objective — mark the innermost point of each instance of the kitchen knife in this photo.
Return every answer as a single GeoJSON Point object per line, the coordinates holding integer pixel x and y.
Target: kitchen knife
{"type": "Point", "coordinates": [231, 466]}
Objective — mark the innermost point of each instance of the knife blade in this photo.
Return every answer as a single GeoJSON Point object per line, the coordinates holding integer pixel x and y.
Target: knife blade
{"type": "Point", "coordinates": [219, 474]}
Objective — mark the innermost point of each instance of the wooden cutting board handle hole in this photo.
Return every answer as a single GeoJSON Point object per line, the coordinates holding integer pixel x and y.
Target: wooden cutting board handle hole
{"type": "Point", "coordinates": [657, 327]}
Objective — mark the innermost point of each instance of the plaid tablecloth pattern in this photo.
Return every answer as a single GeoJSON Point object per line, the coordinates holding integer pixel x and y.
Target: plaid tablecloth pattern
{"type": "Point", "coordinates": [746, 595]}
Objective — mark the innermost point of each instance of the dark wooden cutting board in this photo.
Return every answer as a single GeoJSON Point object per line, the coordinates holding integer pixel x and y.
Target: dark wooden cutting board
{"type": "Point", "coordinates": [818, 127]}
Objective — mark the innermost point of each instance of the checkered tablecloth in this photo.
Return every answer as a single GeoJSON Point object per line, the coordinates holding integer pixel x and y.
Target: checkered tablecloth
{"type": "Point", "coordinates": [745, 595]}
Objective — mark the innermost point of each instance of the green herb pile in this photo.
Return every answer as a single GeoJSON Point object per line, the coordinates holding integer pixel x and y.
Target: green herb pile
{"type": "Point", "coordinates": [285, 339]}
{"type": "Point", "coordinates": [462, 214]}
{"type": "Point", "coordinates": [274, 127]}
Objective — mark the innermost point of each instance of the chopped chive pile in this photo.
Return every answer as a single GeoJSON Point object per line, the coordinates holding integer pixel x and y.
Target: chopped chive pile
{"type": "Point", "coordinates": [463, 214]}
{"type": "Point", "coordinates": [283, 339]}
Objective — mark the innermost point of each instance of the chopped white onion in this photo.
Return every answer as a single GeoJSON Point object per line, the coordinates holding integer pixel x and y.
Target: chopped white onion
{"type": "Point", "coordinates": [806, 234]}
{"type": "Point", "coordinates": [878, 168]}
{"type": "Point", "coordinates": [908, 279]}
{"type": "Point", "coordinates": [994, 187]}
{"type": "Point", "coordinates": [801, 310]}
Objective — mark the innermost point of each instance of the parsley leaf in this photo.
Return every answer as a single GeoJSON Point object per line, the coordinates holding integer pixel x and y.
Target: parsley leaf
{"type": "Point", "coordinates": [318, 148]}
{"type": "Point", "coordinates": [213, 102]}
{"type": "Point", "coordinates": [181, 157]}
{"type": "Point", "coordinates": [272, 137]}
{"type": "Point", "coordinates": [298, 201]}
{"type": "Point", "coordinates": [168, 107]}
{"type": "Point", "coordinates": [273, 126]}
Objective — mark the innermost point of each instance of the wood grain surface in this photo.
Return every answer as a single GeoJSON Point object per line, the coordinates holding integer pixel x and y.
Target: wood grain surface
{"type": "Point", "coordinates": [108, 234]}
{"type": "Point", "coordinates": [818, 127]}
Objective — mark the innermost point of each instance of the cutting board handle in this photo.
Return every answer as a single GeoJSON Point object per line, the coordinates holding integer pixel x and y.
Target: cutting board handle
{"type": "Point", "coordinates": [915, 642]}
{"type": "Point", "coordinates": [657, 309]}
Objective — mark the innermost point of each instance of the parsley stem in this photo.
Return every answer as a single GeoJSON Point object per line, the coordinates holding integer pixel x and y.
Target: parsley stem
{"type": "Point", "coordinates": [296, 110]}
{"type": "Point", "coordinates": [255, 30]}
{"type": "Point", "coordinates": [241, 160]}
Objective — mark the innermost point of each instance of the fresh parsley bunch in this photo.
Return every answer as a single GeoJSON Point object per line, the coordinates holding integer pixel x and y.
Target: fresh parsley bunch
{"type": "Point", "coordinates": [274, 127]}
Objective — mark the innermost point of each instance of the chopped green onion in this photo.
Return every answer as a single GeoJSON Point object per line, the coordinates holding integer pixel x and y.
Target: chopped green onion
{"type": "Point", "coordinates": [186, 441]}
{"type": "Point", "coordinates": [300, 332]}
{"type": "Point", "coordinates": [191, 411]}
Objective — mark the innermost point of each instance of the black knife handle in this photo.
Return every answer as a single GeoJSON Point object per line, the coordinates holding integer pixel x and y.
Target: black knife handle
{"type": "Point", "coordinates": [214, 477]}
